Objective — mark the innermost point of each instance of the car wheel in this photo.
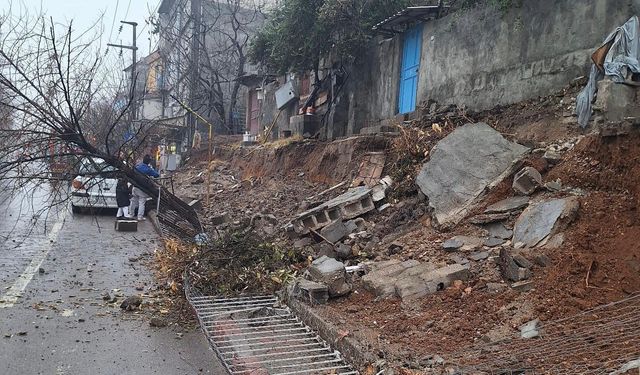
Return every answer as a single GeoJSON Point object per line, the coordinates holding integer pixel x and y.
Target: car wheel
{"type": "Point", "coordinates": [76, 209]}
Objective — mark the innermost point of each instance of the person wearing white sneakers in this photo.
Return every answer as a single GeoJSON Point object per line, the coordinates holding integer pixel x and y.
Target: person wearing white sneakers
{"type": "Point", "coordinates": [139, 197]}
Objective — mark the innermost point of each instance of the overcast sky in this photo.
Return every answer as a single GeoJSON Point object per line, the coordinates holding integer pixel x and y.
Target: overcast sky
{"type": "Point", "coordinates": [85, 13]}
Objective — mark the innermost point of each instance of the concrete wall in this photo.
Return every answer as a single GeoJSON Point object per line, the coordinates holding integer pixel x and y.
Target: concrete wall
{"type": "Point", "coordinates": [481, 57]}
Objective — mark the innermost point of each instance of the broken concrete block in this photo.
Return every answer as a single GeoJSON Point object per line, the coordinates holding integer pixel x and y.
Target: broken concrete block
{"type": "Point", "coordinates": [311, 292]}
{"type": "Point", "coordinates": [411, 287]}
{"type": "Point", "coordinates": [616, 101]}
{"type": "Point", "coordinates": [541, 221]}
{"type": "Point", "coordinates": [510, 269]}
{"type": "Point", "coordinates": [335, 231]}
{"type": "Point", "coordinates": [526, 181]}
{"type": "Point", "coordinates": [355, 202]}
{"type": "Point", "coordinates": [381, 286]}
{"type": "Point", "coordinates": [379, 191]}
{"type": "Point", "coordinates": [508, 205]}
{"type": "Point", "coordinates": [442, 278]}
{"type": "Point", "coordinates": [474, 158]}
{"type": "Point", "coordinates": [324, 249]}
{"type": "Point", "coordinates": [332, 273]}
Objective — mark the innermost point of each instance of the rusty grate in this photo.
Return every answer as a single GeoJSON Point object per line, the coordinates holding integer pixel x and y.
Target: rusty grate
{"type": "Point", "coordinates": [259, 336]}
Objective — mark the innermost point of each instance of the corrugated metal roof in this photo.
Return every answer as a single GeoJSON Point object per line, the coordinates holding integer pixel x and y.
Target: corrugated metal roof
{"type": "Point", "coordinates": [408, 15]}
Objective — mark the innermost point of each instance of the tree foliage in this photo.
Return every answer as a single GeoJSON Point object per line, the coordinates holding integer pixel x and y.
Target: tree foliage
{"type": "Point", "coordinates": [299, 33]}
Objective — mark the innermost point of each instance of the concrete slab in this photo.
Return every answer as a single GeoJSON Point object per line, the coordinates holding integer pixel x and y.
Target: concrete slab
{"type": "Point", "coordinates": [463, 166]}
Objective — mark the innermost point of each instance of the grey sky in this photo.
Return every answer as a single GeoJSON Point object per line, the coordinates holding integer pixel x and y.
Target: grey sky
{"type": "Point", "coordinates": [85, 13]}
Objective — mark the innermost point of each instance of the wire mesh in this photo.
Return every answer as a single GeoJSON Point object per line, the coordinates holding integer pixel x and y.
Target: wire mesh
{"type": "Point", "coordinates": [604, 340]}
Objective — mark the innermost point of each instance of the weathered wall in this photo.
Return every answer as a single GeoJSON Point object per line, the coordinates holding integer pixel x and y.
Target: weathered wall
{"type": "Point", "coordinates": [481, 57]}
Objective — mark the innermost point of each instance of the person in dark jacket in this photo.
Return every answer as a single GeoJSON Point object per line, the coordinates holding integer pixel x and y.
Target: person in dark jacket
{"type": "Point", "coordinates": [123, 198]}
{"type": "Point", "coordinates": [139, 198]}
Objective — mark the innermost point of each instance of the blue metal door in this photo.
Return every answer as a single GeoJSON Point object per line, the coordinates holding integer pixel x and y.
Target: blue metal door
{"type": "Point", "coordinates": [409, 71]}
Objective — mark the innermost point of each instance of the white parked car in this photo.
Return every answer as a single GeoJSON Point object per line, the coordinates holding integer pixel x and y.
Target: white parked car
{"type": "Point", "coordinates": [95, 185]}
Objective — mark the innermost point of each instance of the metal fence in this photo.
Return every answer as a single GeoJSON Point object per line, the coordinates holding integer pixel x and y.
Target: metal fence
{"type": "Point", "coordinates": [604, 340]}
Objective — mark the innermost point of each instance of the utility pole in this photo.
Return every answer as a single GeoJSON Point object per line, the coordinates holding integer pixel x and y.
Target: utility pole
{"type": "Point", "coordinates": [196, 15]}
{"type": "Point", "coordinates": [134, 50]}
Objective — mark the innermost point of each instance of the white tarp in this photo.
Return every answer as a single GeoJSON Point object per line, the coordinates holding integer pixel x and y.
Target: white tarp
{"type": "Point", "coordinates": [622, 58]}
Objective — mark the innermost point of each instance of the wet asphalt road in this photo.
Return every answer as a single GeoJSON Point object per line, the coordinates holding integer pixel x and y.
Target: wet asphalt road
{"type": "Point", "coordinates": [59, 323]}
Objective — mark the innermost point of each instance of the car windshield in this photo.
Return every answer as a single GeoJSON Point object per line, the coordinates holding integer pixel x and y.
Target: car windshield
{"type": "Point", "coordinates": [95, 166]}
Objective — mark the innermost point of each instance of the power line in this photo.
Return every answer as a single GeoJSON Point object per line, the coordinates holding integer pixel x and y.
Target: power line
{"type": "Point", "coordinates": [113, 22]}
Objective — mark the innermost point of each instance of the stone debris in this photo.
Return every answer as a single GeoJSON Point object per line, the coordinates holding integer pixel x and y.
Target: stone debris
{"type": "Point", "coordinates": [355, 202]}
{"type": "Point", "coordinates": [483, 219]}
{"type": "Point", "coordinates": [412, 279]}
{"type": "Point", "coordinates": [522, 261]}
{"type": "Point", "coordinates": [335, 231]}
{"type": "Point", "coordinates": [452, 244]}
{"type": "Point", "coordinates": [553, 186]}
{"type": "Point", "coordinates": [522, 286]}
{"type": "Point", "coordinates": [131, 303]}
{"type": "Point", "coordinates": [510, 269]}
{"type": "Point", "coordinates": [508, 205]}
{"type": "Point", "coordinates": [481, 255]}
{"type": "Point", "coordinates": [527, 181]}
{"type": "Point", "coordinates": [530, 329]}
{"type": "Point", "coordinates": [332, 273]}
{"type": "Point", "coordinates": [552, 156]}
{"type": "Point", "coordinates": [494, 242]}
{"type": "Point", "coordinates": [311, 292]}
{"type": "Point", "coordinates": [379, 191]}
{"type": "Point", "coordinates": [498, 230]}
{"type": "Point", "coordinates": [474, 158]}
{"type": "Point", "coordinates": [463, 243]}
{"type": "Point", "coordinates": [541, 221]}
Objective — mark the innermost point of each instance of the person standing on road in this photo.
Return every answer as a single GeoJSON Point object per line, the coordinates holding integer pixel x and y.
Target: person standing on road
{"type": "Point", "coordinates": [139, 197]}
{"type": "Point", "coordinates": [123, 198]}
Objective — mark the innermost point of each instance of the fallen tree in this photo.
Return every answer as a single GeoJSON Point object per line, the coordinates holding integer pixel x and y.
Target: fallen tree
{"type": "Point", "coordinates": [52, 82]}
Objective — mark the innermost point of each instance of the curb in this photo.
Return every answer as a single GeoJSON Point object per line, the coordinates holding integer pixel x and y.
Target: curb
{"type": "Point", "coordinates": [153, 218]}
{"type": "Point", "coordinates": [349, 347]}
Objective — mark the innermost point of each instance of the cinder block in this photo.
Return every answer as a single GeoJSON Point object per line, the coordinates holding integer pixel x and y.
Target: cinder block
{"type": "Point", "coordinates": [126, 225]}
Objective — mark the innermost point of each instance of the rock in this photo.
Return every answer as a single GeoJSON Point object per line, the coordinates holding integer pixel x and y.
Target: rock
{"type": "Point", "coordinates": [553, 186]}
{"type": "Point", "coordinates": [464, 243]}
{"type": "Point", "coordinates": [335, 231]}
{"type": "Point", "coordinates": [220, 219]}
{"type": "Point", "coordinates": [483, 219]}
{"type": "Point", "coordinates": [302, 243]}
{"type": "Point", "coordinates": [452, 244]}
{"type": "Point", "coordinates": [378, 192]}
{"type": "Point", "coordinates": [343, 251]}
{"type": "Point", "coordinates": [542, 260]}
{"type": "Point", "coordinates": [552, 157]}
{"type": "Point", "coordinates": [332, 273]}
{"type": "Point", "coordinates": [131, 303]}
{"type": "Point", "coordinates": [106, 296]}
{"type": "Point", "coordinates": [541, 221]}
{"type": "Point", "coordinates": [526, 181]}
{"type": "Point", "coordinates": [459, 260]}
{"type": "Point", "coordinates": [133, 259]}
{"type": "Point", "coordinates": [412, 287]}
{"type": "Point", "coordinates": [494, 242]}
{"type": "Point", "coordinates": [482, 255]}
{"type": "Point", "coordinates": [157, 322]}
{"type": "Point", "coordinates": [311, 292]}
{"type": "Point", "coordinates": [41, 270]}
{"type": "Point", "coordinates": [496, 287]}
{"type": "Point", "coordinates": [530, 330]}
{"type": "Point", "coordinates": [324, 249]}
{"type": "Point", "coordinates": [555, 241]}
{"type": "Point", "coordinates": [510, 269]}
{"type": "Point", "coordinates": [498, 230]}
{"type": "Point", "coordinates": [474, 158]}
{"type": "Point", "coordinates": [395, 248]}
{"type": "Point", "coordinates": [508, 205]}
{"type": "Point", "coordinates": [522, 261]}
{"type": "Point", "coordinates": [522, 286]}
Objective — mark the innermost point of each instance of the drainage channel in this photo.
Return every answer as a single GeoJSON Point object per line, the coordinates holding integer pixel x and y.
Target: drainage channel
{"type": "Point", "coordinates": [259, 336]}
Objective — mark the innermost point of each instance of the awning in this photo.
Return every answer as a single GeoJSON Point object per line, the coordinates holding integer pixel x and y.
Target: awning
{"type": "Point", "coordinates": [397, 23]}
